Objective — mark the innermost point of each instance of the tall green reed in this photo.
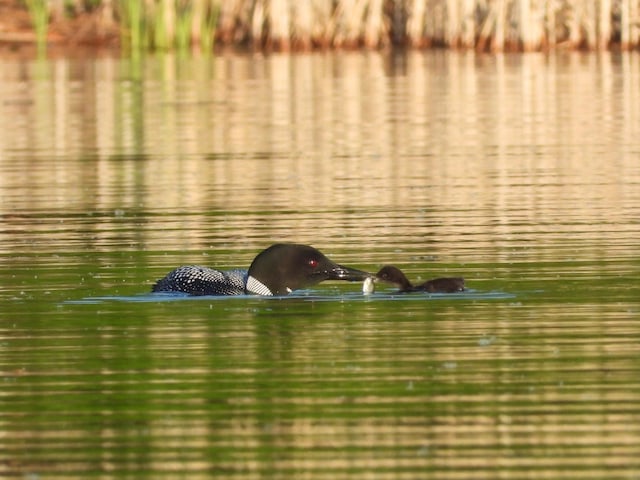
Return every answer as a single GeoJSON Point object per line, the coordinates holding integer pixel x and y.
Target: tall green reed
{"type": "Point", "coordinates": [168, 24]}
{"type": "Point", "coordinates": [132, 23]}
{"type": "Point", "coordinates": [183, 23]}
{"type": "Point", "coordinates": [196, 24]}
{"type": "Point", "coordinates": [39, 13]}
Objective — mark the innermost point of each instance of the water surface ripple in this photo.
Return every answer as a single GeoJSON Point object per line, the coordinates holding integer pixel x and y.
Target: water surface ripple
{"type": "Point", "coordinates": [519, 173]}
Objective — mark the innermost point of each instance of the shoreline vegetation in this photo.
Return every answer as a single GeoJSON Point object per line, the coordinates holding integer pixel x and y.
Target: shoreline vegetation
{"type": "Point", "coordinates": [305, 25]}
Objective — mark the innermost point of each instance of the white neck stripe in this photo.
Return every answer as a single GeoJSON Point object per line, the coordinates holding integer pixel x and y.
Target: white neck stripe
{"type": "Point", "coordinates": [256, 286]}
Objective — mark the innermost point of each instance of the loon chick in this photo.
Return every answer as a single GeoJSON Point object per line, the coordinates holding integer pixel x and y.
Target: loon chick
{"type": "Point", "coordinates": [278, 270]}
{"type": "Point", "coordinates": [394, 275]}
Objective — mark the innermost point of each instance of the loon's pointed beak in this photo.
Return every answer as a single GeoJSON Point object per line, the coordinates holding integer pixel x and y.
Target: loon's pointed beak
{"type": "Point", "coordinates": [338, 272]}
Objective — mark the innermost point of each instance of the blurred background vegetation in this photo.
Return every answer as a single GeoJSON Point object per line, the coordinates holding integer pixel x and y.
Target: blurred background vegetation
{"type": "Point", "coordinates": [484, 25]}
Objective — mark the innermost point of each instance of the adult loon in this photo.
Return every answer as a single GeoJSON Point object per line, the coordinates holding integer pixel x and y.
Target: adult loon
{"type": "Point", "coordinates": [394, 275]}
{"type": "Point", "coordinates": [278, 270]}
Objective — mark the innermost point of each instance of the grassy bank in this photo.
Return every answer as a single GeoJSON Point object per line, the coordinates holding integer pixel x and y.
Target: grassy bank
{"type": "Point", "coordinates": [484, 25]}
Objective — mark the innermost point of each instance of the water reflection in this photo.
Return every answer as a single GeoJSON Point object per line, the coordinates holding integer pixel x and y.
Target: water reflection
{"type": "Point", "coordinates": [279, 393]}
{"type": "Point", "coordinates": [441, 132]}
{"type": "Point", "coordinates": [323, 128]}
{"type": "Point", "coordinates": [519, 173]}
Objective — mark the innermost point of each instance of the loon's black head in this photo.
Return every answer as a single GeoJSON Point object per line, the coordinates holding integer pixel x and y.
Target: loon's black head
{"type": "Point", "coordinates": [285, 267]}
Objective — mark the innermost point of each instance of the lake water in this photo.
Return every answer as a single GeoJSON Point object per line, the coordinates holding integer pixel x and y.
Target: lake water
{"type": "Point", "coordinates": [520, 173]}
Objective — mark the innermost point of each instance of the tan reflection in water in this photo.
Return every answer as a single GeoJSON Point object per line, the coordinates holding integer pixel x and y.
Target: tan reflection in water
{"type": "Point", "coordinates": [316, 124]}
{"type": "Point", "coordinates": [312, 416]}
{"type": "Point", "coordinates": [526, 139]}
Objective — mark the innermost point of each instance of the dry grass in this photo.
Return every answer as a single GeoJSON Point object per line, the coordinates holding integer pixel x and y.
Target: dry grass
{"type": "Point", "coordinates": [484, 25]}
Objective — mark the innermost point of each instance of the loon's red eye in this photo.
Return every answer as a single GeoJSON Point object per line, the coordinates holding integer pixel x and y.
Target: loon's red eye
{"type": "Point", "coordinates": [313, 263]}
